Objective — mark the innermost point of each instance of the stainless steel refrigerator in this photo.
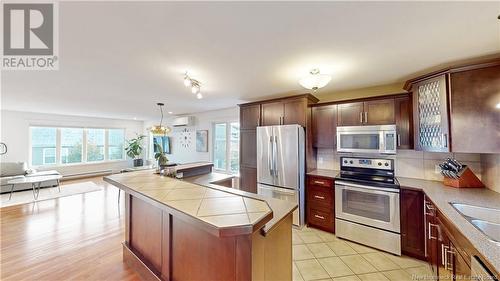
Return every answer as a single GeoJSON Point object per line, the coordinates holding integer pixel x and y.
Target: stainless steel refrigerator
{"type": "Point", "coordinates": [280, 165]}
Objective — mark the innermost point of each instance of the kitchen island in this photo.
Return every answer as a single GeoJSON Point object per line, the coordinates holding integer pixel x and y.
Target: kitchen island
{"type": "Point", "coordinates": [193, 229]}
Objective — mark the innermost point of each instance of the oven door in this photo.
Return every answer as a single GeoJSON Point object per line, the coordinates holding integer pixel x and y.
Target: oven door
{"type": "Point", "coordinates": [370, 206]}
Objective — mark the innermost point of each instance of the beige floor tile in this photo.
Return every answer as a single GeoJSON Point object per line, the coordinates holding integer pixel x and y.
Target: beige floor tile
{"type": "Point", "coordinates": [380, 262]}
{"type": "Point", "coordinates": [335, 267]}
{"type": "Point", "coordinates": [361, 249]}
{"type": "Point", "coordinates": [311, 270]}
{"type": "Point", "coordinates": [340, 248]}
{"type": "Point", "coordinates": [420, 273]}
{"type": "Point", "coordinates": [358, 264]}
{"type": "Point", "coordinates": [404, 261]}
{"type": "Point", "coordinates": [301, 252]}
{"type": "Point", "coordinates": [296, 240]}
{"type": "Point", "coordinates": [327, 237]}
{"type": "Point", "coordinates": [310, 237]}
{"type": "Point", "coordinates": [347, 278]}
{"type": "Point", "coordinates": [296, 274]}
{"type": "Point", "coordinates": [397, 275]}
{"type": "Point", "coordinates": [320, 250]}
{"type": "Point", "coordinates": [376, 276]}
{"type": "Point", "coordinates": [307, 229]}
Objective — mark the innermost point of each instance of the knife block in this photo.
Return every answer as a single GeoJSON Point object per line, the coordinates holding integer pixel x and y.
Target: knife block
{"type": "Point", "coordinates": [467, 179]}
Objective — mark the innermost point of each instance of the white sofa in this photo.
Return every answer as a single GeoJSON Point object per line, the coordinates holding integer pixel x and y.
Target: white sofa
{"type": "Point", "coordinates": [12, 170]}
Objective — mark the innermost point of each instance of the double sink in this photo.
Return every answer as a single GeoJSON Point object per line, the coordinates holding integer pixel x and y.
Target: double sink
{"type": "Point", "coordinates": [487, 220]}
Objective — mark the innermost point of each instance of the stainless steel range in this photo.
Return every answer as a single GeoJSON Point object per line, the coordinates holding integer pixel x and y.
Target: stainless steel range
{"type": "Point", "coordinates": [367, 203]}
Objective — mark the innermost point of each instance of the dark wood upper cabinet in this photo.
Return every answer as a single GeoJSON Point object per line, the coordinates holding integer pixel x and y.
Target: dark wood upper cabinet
{"type": "Point", "coordinates": [379, 112]}
{"type": "Point", "coordinates": [248, 148]}
{"type": "Point", "coordinates": [350, 114]}
{"type": "Point", "coordinates": [404, 122]}
{"type": "Point", "coordinates": [430, 114]}
{"type": "Point", "coordinates": [474, 116]}
{"type": "Point", "coordinates": [455, 107]}
{"type": "Point", "coordinates": [295, 112]}
{"type": "Point", "coordinates": [249, 117]}
{"type": "Point", "coordinates": [324, 124]}
{"type": "Point", "coordinates": [412, 223]}
{"type": "Point", "coordinates": [272, 113]}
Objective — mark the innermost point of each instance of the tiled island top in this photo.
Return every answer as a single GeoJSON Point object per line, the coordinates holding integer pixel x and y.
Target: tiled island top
{"type": "Point", "coordinates": [222, 211]}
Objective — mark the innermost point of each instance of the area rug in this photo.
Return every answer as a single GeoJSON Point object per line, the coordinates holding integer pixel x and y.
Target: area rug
{"type": "Point", "coordinates": [24, 197]}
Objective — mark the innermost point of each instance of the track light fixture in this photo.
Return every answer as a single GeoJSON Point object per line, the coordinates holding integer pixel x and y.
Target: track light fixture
{"type": "Point", "coordinates": [194, 84]}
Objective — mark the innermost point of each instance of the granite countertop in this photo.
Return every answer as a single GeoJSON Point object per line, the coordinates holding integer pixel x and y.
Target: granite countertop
{"type": "Point", "coordinates": [224, 211]}
{"type": "Point", "coordinates": [323, 173]}
{"type": "Point", "coordinates": [442, 195]}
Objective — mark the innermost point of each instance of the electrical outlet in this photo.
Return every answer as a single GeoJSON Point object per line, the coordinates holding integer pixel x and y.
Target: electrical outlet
{"type": "Point", "coordinates": [437, 169]}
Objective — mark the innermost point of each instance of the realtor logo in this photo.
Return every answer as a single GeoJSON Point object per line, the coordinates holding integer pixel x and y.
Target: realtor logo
{"type": "Point", "coordinates": [29, 33]}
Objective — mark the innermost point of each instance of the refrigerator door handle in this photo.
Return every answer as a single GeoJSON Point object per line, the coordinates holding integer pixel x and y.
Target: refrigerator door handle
{"type": "Point", "coordinates": [270, 156]}
{"type": "Point", "coordinates": [275, 156]}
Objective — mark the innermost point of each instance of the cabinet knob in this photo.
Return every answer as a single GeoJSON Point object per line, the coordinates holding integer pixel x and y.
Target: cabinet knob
{"type": "Point", "coordinates": [319, 182]}
{"type": "Point", "coordinates": [319, 197]}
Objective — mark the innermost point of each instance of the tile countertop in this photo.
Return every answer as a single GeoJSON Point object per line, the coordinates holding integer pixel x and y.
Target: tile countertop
{"type": "Point", "coordinates": [442, 195]}
{"type": "Point", "coordinates": [220, 208]}
{"type": "Point", "coordinates": [323, 173]}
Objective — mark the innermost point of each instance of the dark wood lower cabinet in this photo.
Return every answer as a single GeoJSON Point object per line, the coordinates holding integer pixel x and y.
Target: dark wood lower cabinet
{"type": "Point", "coordinates": [320, 203]}
{"type": "Point", "coordinates": [412, 223]}
{"type": "Point", "coordinates": [431, 235]}
{"type": "Point", "coordinates": [248, 179]}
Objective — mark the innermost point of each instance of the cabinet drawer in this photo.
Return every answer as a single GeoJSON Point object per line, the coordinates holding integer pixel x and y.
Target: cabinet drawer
{"type": "Point", "coordinates": [321, 219]}
{"type": "Point", "coordinates": [320, 196]}
{"type": "Point", "coordinates": [320, 182]}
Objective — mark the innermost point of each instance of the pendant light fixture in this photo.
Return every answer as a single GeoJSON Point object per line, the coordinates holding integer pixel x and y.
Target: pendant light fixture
{"type": "Point", "coordinates": [160, 130]}
{"type": "Point", "coordinates": [315, 80]}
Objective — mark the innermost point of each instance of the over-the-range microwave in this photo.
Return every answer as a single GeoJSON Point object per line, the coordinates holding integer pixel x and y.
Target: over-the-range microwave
{"type": "Point", "coordinates": [380, 139]}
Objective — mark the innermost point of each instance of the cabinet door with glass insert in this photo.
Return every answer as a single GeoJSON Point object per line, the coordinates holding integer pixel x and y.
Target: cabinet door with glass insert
{"type": "Point", "coordinates": [431, 115]}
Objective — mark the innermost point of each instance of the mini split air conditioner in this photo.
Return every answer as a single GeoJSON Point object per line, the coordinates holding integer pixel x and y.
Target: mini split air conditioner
{"type": "Point", "coordinates": [183, 121]}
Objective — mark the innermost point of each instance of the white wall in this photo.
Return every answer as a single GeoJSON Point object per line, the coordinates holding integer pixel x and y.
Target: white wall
{"type": "Point", "coordinates": [14, 132]}
{"type": "Point", "coordinates": [203, 121]}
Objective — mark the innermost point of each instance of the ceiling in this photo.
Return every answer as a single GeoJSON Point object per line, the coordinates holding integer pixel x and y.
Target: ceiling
{"type": "Point", "coordinates": [117, 59]}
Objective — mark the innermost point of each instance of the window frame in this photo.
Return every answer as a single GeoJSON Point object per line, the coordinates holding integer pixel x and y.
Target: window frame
{"type": "Point", "coordinates": [227, 170]}
{"type": "Point", "coordinates": [58, 147]}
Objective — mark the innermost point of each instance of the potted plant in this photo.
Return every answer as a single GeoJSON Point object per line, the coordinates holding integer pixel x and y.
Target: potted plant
{"type": "Point", "coordinates": [134, 150]}
{"type": "Point", "coordinates": [160, 156]}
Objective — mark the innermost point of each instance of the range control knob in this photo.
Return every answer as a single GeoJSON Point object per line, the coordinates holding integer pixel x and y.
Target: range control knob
{"type": "Point", "coordinates": [386, 164]}
{"type": "Point", "coordinates": [345, 161]}
{"type": "Point", "coordinates": [350, 162]}
{"type": "Point", "coordinates": [380, 163]}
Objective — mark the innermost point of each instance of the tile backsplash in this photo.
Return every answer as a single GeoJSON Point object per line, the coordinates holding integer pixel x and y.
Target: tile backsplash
{"type": "Point", "coordinates": [422, 165]}
{"type": "Point", "coordinates": [490, 164]}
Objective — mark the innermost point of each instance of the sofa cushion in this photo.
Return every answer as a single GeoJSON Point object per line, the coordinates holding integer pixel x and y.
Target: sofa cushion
{"type": "Point", "coordinates": [43, 173]}
{"type": "Point", "coordinates": [4, 180]}
{"type": "Point", "coordinates": [13, 168]}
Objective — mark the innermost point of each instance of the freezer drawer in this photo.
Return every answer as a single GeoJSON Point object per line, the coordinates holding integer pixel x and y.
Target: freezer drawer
{"type": "Point", "coordinates": [284, 194]}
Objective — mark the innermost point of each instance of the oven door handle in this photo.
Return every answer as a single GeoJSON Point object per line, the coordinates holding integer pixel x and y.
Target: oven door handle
{"type": "Point", "coordinates": [344, 183]}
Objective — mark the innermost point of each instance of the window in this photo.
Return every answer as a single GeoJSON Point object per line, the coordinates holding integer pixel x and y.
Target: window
{"type": "Point", "coordinates": [115, 144]}
{"type": "Point", "coordinates": [226, 147]}
{"type": "Point", "coordinates": [95, 145]}
{"type": "Point", "coordinates": [71, 145]}
{"type": "Point", "coordinates": [52, 146]}
{"type": "Point", "coordinates": [43, 146]}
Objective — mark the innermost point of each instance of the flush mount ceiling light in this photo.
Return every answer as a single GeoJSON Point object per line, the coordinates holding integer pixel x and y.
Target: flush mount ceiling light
{"type": "Point", "coordinates": [194, 84]}
{"type": "Point", "coordinates": [315, 80]}
{"type": "Point", "coordinates": [160, 130]}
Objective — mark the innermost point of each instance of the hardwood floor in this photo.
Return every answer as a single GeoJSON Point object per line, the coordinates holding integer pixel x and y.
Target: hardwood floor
{"type": "Point", "coordinates": [70, 238]}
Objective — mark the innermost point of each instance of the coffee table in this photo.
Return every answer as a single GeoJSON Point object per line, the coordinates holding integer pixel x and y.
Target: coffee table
{"type": "Point", "coordinates": [36, 182]}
